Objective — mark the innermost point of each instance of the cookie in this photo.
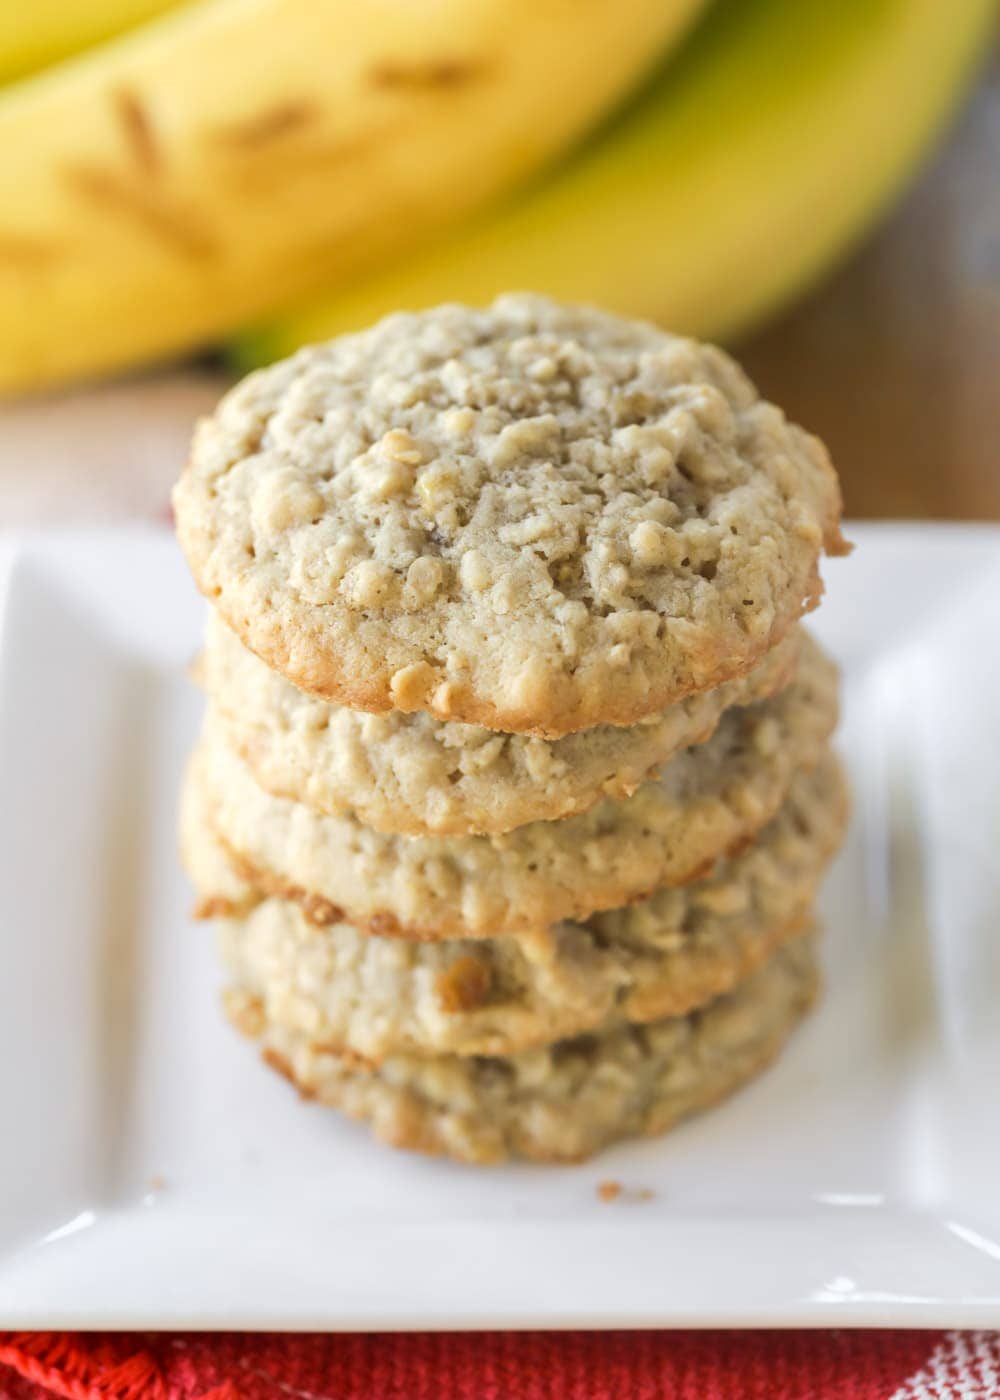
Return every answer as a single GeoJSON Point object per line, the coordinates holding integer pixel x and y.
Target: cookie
{"type": "Point", "coordinates": [563, 1103]}
{"type": "Point", "coordinates": [709, 801]}
{"type": "Point", "coordinates": [534, 517]}
{"type": "Point", "coordinates": [377, 997]}
{"type": "Point", "coordinates": [418, 776]}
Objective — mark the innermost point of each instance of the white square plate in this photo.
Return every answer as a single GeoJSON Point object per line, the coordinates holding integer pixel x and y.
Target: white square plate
{"type": "Point", "coordinates": [153, 1174]}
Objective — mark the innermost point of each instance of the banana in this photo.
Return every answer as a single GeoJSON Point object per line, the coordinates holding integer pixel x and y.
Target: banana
{"type": "Point", "coordinates": [172, 184]}
{"type": "Point", "coordinates": [757, 154]}
{"type": "Point", "coordinates": [45, 31]}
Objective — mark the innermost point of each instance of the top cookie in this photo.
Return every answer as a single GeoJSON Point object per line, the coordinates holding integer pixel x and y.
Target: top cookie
{"type": "Point", "coordinates": [536, 518]}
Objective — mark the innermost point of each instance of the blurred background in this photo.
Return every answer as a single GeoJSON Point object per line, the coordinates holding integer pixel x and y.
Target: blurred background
{"type": "Point", "coordinates": [190, 188]}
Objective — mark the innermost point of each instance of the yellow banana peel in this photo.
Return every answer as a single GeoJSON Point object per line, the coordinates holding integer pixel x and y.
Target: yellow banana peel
{"type": "Point", "coordinates": [37, 33]}
{"type": "Point", "coordinates": [758, 153]}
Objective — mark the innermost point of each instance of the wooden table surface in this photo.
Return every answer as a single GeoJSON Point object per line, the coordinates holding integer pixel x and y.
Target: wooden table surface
{"type": "Point", "coordinates": [895, 361]}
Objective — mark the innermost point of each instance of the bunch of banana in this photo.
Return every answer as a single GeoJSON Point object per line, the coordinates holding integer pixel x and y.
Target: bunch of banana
{"type": "Point", "coordinates": [167, 186]}
{"type": "Point", "coordinates": [221, 160]}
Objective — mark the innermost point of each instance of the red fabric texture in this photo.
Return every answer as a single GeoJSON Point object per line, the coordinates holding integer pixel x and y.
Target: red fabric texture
{"type": "Point", "coordinates": [837, 1365]}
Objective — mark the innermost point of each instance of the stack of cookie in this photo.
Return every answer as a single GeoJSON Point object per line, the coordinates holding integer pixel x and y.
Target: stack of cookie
{"type": "Point", "coordinates": [515, 789]}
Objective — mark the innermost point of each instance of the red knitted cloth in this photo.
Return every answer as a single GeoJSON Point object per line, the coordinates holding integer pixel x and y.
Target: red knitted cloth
{"type": "Point", "coordinates": [504, 1366]}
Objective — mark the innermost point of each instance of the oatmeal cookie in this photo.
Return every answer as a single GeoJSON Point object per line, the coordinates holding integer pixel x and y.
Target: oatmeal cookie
{"type": "Point", "coordinates": [534, 517]}
{"type": "Point", "coordinates": [565, 1102]}
{"type": "Point", "coordinates": [418, 776]}
{"type": "Point", "coordinates": [376, 997]}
